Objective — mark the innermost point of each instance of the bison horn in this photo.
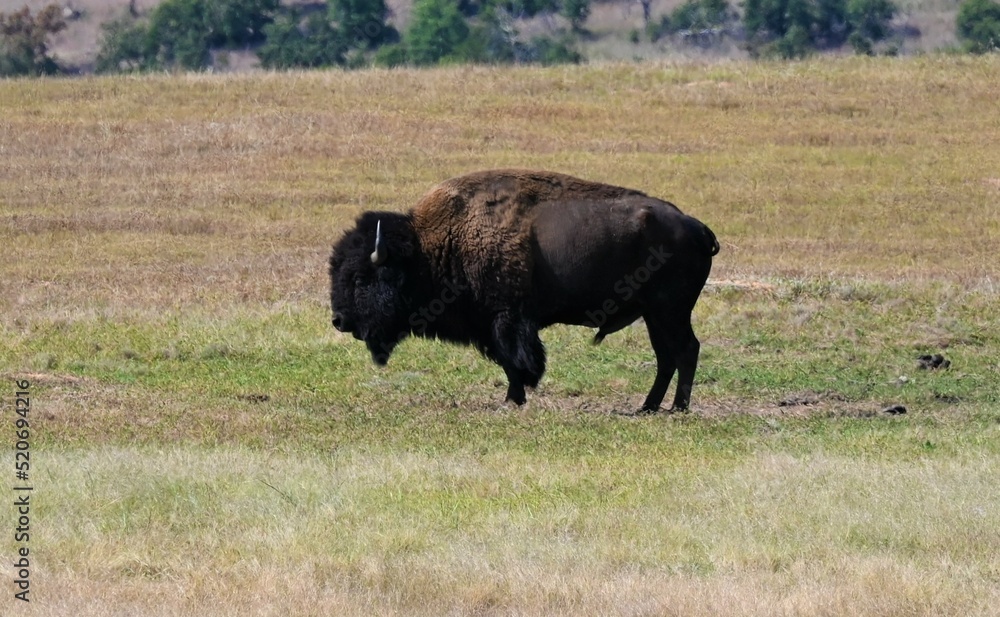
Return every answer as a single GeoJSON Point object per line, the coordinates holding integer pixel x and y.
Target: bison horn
{"type": "Point", "coordinates": [379, 255]}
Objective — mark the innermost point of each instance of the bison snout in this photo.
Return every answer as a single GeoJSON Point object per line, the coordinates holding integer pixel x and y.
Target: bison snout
{"type": "Point", "coordinates": [340, 323]}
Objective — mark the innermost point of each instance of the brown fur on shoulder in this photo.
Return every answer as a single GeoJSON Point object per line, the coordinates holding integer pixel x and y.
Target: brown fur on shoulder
{"type": "Point", "coordinates": [476, 229]}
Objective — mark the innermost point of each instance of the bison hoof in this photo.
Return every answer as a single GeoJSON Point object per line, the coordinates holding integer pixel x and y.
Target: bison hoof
{"type": "Point", "coordinates": [517, 399]}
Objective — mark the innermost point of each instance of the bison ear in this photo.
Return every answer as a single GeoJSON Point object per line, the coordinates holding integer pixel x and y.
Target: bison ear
{"type": "Point", "coordinates": [379, 255]}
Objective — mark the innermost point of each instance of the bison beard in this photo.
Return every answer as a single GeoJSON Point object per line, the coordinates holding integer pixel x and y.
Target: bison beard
{"type": "Point", "coordinates": [490, 258]}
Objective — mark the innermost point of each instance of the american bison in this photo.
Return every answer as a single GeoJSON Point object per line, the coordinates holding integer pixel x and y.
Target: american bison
{"type": "Point", "coordinates": [492, 257]}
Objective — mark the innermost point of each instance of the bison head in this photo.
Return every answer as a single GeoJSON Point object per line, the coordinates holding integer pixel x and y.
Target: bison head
{"type": "Point", "coordinates": [373, 282]}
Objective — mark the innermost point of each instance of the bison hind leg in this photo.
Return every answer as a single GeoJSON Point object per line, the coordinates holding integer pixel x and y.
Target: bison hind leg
{"type": "Point", "coordinates": [517, 348]}
{"type": "Point", "coordinates": [676, 349]}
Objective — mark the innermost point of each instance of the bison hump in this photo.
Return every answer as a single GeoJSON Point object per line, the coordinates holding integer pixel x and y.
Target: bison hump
{"type": "Point", "coordinates": [478, 227]}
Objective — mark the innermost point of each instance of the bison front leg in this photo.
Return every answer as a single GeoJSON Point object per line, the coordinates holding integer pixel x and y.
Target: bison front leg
{"type": "Point", "coordinates": [515, 386]}
{"type": "Point", "coordinates": [516, 347]}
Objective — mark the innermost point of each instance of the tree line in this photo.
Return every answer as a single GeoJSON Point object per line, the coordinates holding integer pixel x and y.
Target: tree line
{"type": "Point", "coordinates": [184, 34]}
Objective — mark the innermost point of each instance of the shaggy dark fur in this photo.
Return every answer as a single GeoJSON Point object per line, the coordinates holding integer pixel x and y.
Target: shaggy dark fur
{"type": "Point", "coordinates": [490, 258]}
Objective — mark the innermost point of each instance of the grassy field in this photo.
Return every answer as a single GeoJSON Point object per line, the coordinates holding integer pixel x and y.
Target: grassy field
{"type": "Point", "coordinates": [203, 442]}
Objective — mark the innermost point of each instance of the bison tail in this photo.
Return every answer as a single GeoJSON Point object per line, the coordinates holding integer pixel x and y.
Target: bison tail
{"type": "Point", "coordinates": [713, 244]}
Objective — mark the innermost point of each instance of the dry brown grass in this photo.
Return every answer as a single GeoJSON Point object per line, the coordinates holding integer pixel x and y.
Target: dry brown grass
{"type": "Point", "coordinates": [165, 240]}
{"type": "Point", "coordinates": [855, 589]}
{"type": "Point", "coordinates": [413, 534]}
{"type": "Point", "coordinates": [234, 187]}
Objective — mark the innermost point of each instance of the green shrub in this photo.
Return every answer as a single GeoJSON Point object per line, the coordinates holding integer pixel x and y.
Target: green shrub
{"type": "Point", "coordinates": [862, 45]}
{"type": "Point", "coordinates": [436, 31]}
{"type": "Point", "coordinates": [391, 55]}
{"type": "Point", "coordinates": [576, 11]}
{"type": "Point", "coordinates": [182, 33]}
{"type": "Point", "coordinates": [125, 46]}
{"type": "Point", "coordinates": [239, 22]}
{"type": "Point", "coordinates": [692, 16]}
{"type": "Point", "coordinates": [546, 50]}
{"type": "Point", "coordinates": [342, 36]}
{"type": "Point", "coordinates": [488, 43]}
{"type": "Point", "coordinates": [795, 44]}
{"type": "Point", "coordinates": [870, 18]}
{"type": "Point", "coordinates": [700, 15]}
{"type": "Point", "coordinates": [362, 23]}
{"type": "Point", "coordinates": [978, 25]}
{"type": "Point", "coordinates": [23, 41]}
{"type": "Point", "coordinates": [440, 32]}
{"type": "Point", "coordinates": [523, 8]}
{"type": "Point", "coordinates": [292, 42]}
{"type": "Point", "coordinates": [830, 22]}
{"type": "Point", "coordinates": [655, 30]}
{"type": "Point", "coordinates": [794, 28]}
{"type": "Point", "coordinates": [772, 19]}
